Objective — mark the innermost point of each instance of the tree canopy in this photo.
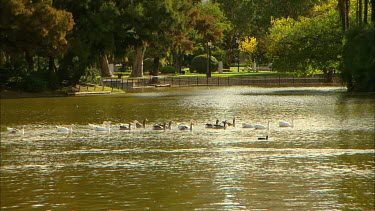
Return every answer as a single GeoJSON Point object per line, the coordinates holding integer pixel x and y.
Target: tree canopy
{"type": "Point", "coordinates": [71, 39]}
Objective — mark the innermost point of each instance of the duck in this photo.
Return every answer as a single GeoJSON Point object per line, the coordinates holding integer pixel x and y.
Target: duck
{"type": "Point", "coordinates": [141, 125]}
{"type": "Point", "coordinates": [158, 127]}
{"type": "Point", "coordinates": [210, 125]}
{"type": "Point", "coordinates": [233, 122]}
{"type": "Point", "coordinates": [185, 127]}
{"type": "Point", "coordinates": [16, 131]}
{"type": "Point", "coordinates": [94, 127]}
{"type": "Point", "coordinates": [169, 126]}
{"type": "Point", "coordinates": [285, 124]}
{"type": "Point", "coordinates": [126, 127]}
{"type": "Point", "coordinates": [220, 126]}
{"type": "Point", "coordinates": [61, 129]}
{"type": "Point", "coordinates": [247, 125]}
{"type": "Point", "coordinates": [263, 138]}
{"type": "Point", "coordinates": [105, 127]}
{"type": "Point", "coordinates": [262, 127]}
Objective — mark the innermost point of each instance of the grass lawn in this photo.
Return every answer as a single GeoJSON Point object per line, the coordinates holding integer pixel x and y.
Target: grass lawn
{"type": "Point", "coordinates": [234, 73]}
{"type": "Point", "coordinates": [90, 88]}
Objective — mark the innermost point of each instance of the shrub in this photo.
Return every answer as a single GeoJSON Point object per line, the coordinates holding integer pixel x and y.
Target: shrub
{"type": "Point", "coordinates": [168, 69]}
{"type": "Point", "coordinates": [34, 82]}
{"type": "Point", "coordinates": [199, 64]}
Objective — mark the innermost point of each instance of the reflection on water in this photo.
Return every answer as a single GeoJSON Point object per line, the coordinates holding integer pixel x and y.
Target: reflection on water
{"type": "Point", "coordinates": [326, 162]}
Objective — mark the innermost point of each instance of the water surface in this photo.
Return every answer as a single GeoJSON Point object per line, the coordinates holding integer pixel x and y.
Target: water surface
{"type": "Point", "coordinates": [325, 162]}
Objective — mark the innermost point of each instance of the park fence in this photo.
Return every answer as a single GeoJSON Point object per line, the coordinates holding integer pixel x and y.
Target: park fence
{"type": "Point", "coordinates": [174, 81]}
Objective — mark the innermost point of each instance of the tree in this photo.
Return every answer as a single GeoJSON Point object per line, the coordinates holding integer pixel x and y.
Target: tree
{"type": "Point", "coordinates": [150, 21]}
{"type": "Point", "coordinates": [248, 45]}
{"type": "Point", "coordinates": [358, 66]}
{"type": "Point", "coordinates": [45, 26]}
{"type": "Point", "coordinates": [306, 45]}
{"type": "Point", "coordinates": [209, 23]}
{"type": "Point", "coordinates": [359, 59]}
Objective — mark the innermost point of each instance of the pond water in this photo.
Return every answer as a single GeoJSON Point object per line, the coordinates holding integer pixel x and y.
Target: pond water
{"type": "Point", "coordinates": [324, 162]}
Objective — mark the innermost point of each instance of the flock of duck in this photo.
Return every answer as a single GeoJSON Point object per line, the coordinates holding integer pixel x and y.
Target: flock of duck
{"type": "Point", "coordinates": [107, 125]}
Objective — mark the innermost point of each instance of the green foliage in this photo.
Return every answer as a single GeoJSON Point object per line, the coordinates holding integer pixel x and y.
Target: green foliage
{"type": "Point", "coordinates": [168, 69]}
{"type": "Point", "coordinates": [199, 64]}
{"type": "Point", "coordinates": [147, 64]}
{"type": "Point", "coordinates": [307, 45]}
{"type": "Point", "coordinates": [359, 59]}
{"type": "Point", "coordinates": [35, 82]}
{"type": "Point", "coordinates": [92, 76]}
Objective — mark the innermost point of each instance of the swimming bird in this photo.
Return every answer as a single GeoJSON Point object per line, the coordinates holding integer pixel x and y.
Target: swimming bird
{"type": "Point", "coordinates": [65, 129]}
{"type": "Point", "coordinates": [16, 131]}
{"type": "Point", "coordinates": [263, 138]}
{"type": "Point", "coordinates": [141, 125]}
{"type": "Point", "coordinates": [169, 126]}
{"type": "Point", "coordinates": [285, 124]}
{"type": "Point", "coordinates": [262, 127]}
{"type": "Point", "coordinates": [185, 127]}
{"type": "Point", "coordinates": [126, 127]}
{"type": "Point", "coordinates": [220, 126]}
{"type": "Point", "coordinates": [106, 127]}
{"type": "Point", "coordinates": [233, 122]}
{"type": "Point", "coordinates": [210, 125]}
{"type": "Point", "coordinates": [94, 127]}
{"type": "Point", "coordinates": [158, 127]}
{"type": "Point", "coordinates": [247, 125]}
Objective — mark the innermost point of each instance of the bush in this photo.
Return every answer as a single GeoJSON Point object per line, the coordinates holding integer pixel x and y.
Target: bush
{"type": "Point", "coordinates": [199, 64]}
{"type": "Point", "coordinates": [34, 82]}
{"type": "Point", "coordinates": [167, 69]}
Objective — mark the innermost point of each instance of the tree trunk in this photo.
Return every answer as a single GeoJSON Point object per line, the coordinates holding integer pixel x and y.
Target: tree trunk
{"type": "Point", "coordinates": [138, 61]}
{"type": "Point", "coordinates": [365, 12]}
{"type": "Point", "coordinates": [2, 58]}
{"type": "Point", "coordinates": [347, 8]}
{"type": "Point", "coordinates": [372, 11]}
{"type": "Point", "coordinates": [104, 67]}
{"type": "Point", "coordinates": [155, 70]}
{"type": "Point", "coordinates": [176, 61]}
{"type": "Point", "coordinates": [343, 6]}
{"type": "Point", "coordinates": [30, 61]}
{"type": "Point", "coordinates": [52, 73]}
{"type": "Point", "coordinates": [360, 12]}
{"type": "Point", "coordinates": [329, 76]}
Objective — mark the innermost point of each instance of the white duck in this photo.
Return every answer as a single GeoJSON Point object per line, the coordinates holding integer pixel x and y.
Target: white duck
{"type": "Point", "coordinates": [285, 124]}
{"type": "Point", "coordinates": [64, 129]}
{"type": "Point", "coordinates": [16, 131]}
{"type": "Point", "coordinates": [262, 127]}
{"type": "Point", "coordinates": [185, 127]}
{"type": "Point", "coordinates": [247, 125]}
{"type": "Point", "coordinates": [106, 127]}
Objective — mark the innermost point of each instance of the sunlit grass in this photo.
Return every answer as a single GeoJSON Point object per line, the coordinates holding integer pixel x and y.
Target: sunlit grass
{"type": "Point", "coordinates": [233, 73]}
{"type": "Point", "coordinates": [91, 88]}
